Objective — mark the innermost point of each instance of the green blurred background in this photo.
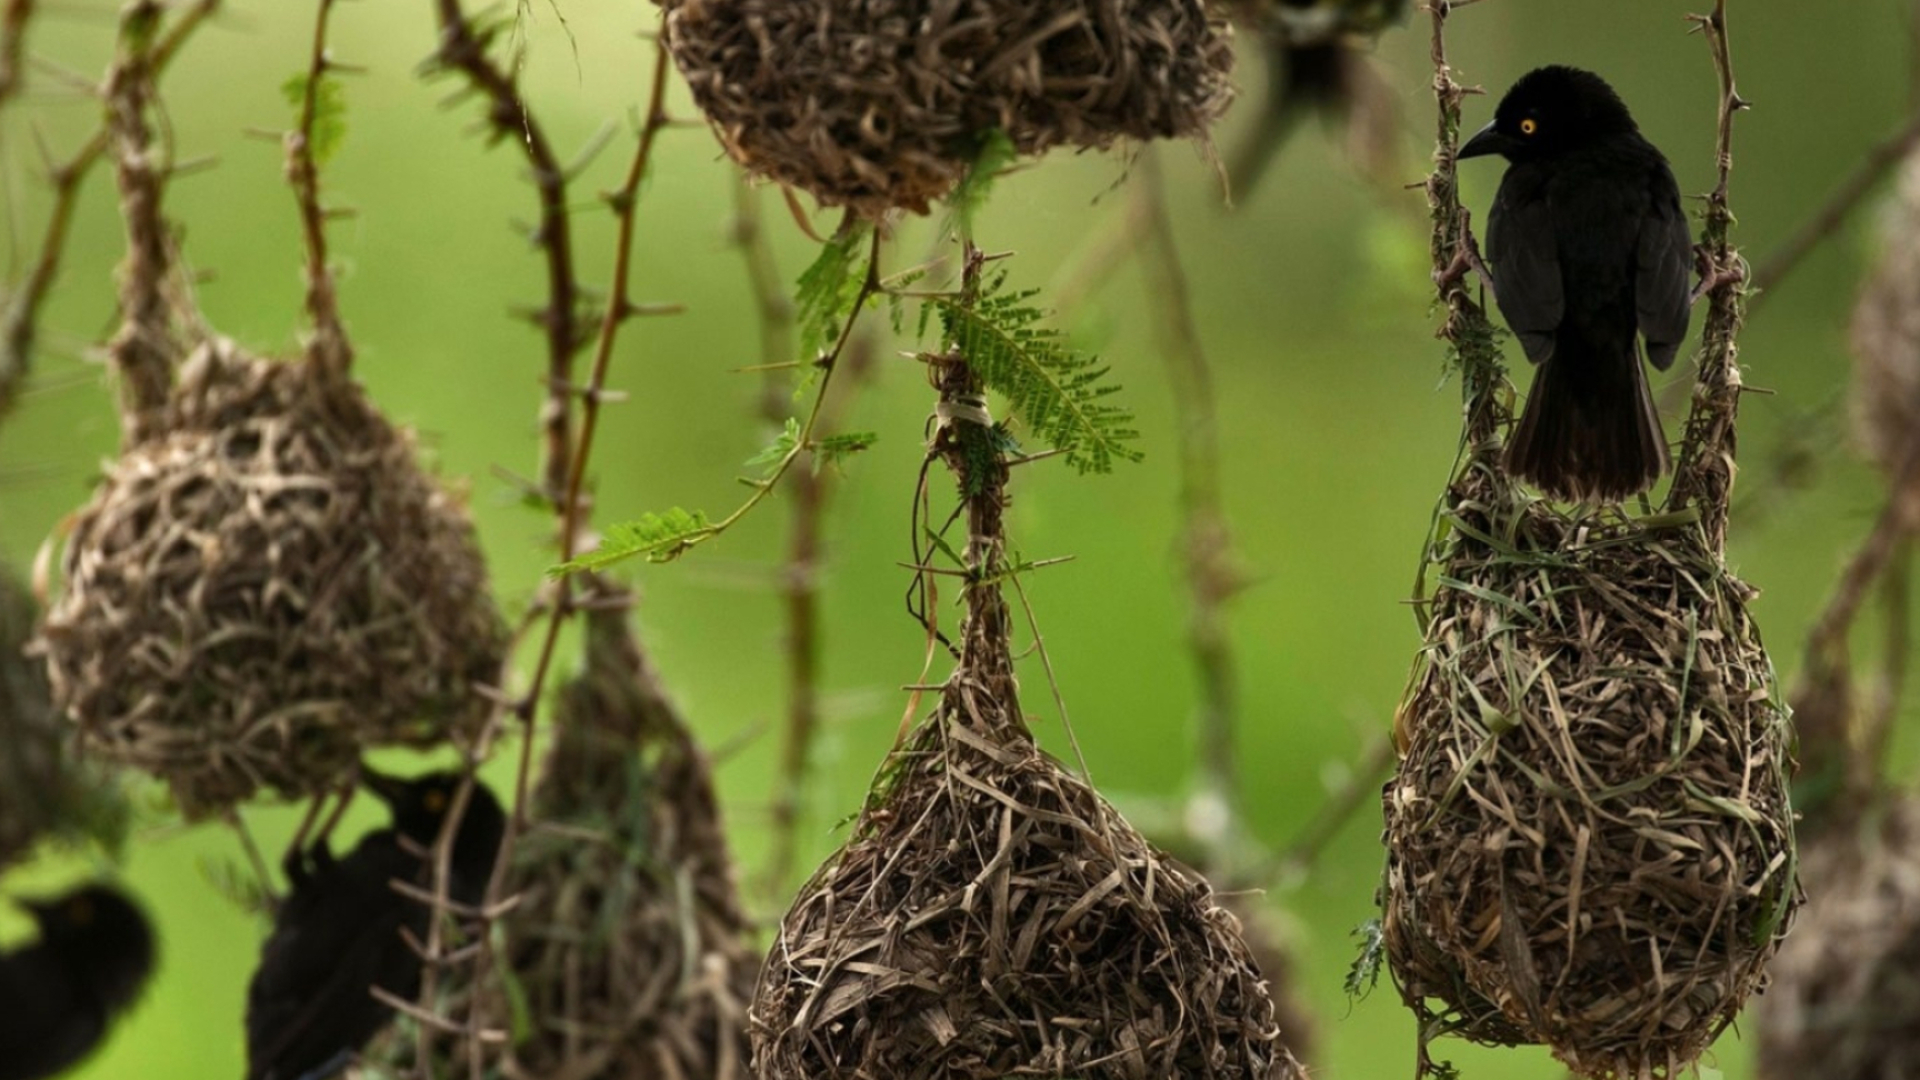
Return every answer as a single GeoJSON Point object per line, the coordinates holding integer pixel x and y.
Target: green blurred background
{"type": "Point", "coordinates": [1312, 296]}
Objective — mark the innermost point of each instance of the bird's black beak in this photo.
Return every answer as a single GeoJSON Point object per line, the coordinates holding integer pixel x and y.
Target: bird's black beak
{"type": "Point", "coordinates": [1487, 140]}
{"type": "Point", "coordinates": [388, 788]}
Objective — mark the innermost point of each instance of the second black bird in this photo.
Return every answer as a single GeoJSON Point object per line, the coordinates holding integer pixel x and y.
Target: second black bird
{"type": "Point", "coordinates": [1590, 253]}
{"type": "Point", "coordinates": [310, 1006]}
{"type": "Point", "coordinates": [60, 995]}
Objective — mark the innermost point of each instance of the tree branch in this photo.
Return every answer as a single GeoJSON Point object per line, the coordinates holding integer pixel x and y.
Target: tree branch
{"type": "Point", "coordinates": [329, 347]}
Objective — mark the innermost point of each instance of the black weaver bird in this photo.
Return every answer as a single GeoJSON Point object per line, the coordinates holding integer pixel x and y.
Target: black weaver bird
{"type": "Point", "coordinates": [310, 1006]}
{"type": "Point", "coordinates": [1590, 252]}
{"type": "Point", "coordinates": [59, 995]}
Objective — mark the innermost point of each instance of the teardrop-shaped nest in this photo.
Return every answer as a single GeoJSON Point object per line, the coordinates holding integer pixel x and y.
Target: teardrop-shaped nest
{"type": "Point", "coordinates": [1270, 938]}
{"type": "Point", "coordinates": [1886, 332]}
{"type": "Point", "coordinates": [1590, 841]}
{"type": "Point", "coordinates": [268, 587]}
{"type": "Point", "coordinates": [883, 104]}
{"type": "Point", "coordinates": [626, 940]}
{"type": "Point", "coordinates": [993, 916]}
{"type": "Point", "coordinates": [1845, 999]}
{"type": "Point", "coordinates": [44, 792]}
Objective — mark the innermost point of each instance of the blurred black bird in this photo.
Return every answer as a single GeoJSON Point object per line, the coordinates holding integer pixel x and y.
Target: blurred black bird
{"type": "Point", "coordinates": [310, 1006]}
{"type": "Point", "coordinates": [59, 995]}
{"type": "Point", "coordinates": [1590, 251]}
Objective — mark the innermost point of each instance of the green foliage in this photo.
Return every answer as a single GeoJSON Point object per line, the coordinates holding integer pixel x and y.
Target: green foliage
{"type": "Point", "coordinates": [656, 537]}
{"type": "Point", "coordinates": [1364, 975]}
{"type": "Point", "coordinates": [996, 153]}
{"type": "Point", "coordinates": [1058, 392]}
{"type": "Point", "coordinates": [329, 113]}
{"type": "Point", "coordinates": [827, 291]}
{"type": "Point", "coordinates": [831, 451]}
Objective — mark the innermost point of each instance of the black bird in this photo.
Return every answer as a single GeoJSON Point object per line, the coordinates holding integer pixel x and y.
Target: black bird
{"type": "Point", "coordinates": [310, 1006]}
{"type": "Point", "coordinates": [59, 995]}
{"type": "Point", "coordinates": [1590, 251]}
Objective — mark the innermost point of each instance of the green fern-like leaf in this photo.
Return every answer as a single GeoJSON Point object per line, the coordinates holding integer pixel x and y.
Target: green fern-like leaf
{"type": "Point", "coordinates": [1061, 394]}
{"type": "Point", "coordinates": [1364, 975]}
{"type": "Point", "coordinates": [329, 113]}
{"type": "Point", "coordinates": [655, 537]}
{"type": "Point", "coordinates": [776, 451]}
{"type": "Point", "coordinates": [826, 292]}
{"type": "Point", "coordinates": [833, 451]}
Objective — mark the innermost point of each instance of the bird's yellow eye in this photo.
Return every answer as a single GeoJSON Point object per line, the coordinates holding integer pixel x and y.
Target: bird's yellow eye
{"type": "Point", "coordinates": [436, 801]}
{"type": "Point", "coordinates": [1529, 126]}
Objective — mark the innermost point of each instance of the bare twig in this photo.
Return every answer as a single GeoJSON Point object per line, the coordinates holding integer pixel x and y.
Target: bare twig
{"type": "Point", "coordinates": [1704, 474]}
{"type": "Point", "coordinates": [1206, 544]}
{"type": "Point", "coordinates": [329, 347]}
{"type": "Point", "coordinates": [13, 45]}
{"type": "Point", "coordinates": [19, 325]}
{"type": "Point", "coordinates": [1839, 205]}
{"type": "Point", "coordinates": [1360, 787]}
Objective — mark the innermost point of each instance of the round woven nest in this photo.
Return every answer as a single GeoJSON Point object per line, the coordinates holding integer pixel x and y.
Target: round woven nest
{"type": "Point", "coordinates": [1589, 834]}
{"type": "Point", "coordinates": [884, 104]}
{"type": "Point", "coordinates": [267, 587]}
{"type": "Point", "coordinates": [1845, 999]}
{"type": "Point", "coordinates": [1886, 333]}
{"type": "Point", "coordinates": [993, 917]}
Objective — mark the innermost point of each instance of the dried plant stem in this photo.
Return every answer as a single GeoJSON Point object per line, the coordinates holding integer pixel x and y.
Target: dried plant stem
{"type": "Point", "coordinates": [1206, 543]}
{"type": "Point", "coordinates": [19, 324]}
{"type": "Point", "coordinates": [13, 46]}
{"type": "Point", "coordinates": [1704, 474]}
{"type": "Point", "coordinates": [329, 348]}
{"type": "Point", "coordinates": [1360, 787]}
{"type": "Point", "coordinates": [1848, 195]}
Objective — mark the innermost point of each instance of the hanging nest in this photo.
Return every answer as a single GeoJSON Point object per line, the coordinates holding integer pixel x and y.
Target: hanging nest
{"type": "Point", "coordinates": [1886, 334]}
{"type": "Point", "coordinates": [267, 586]}
{"type": "Point", "coordinates": [884, 104]}
{"type": "Point", "coordinates": [993, 916]}
{"type": "Point", "coordinates": [626, 940]}
{"type": "Point", "coordinates": [1589, 835]}
{"type": "Point", "coordinates": [1271, 941]}
{"type": "Point", "coordinates": [43, 791]}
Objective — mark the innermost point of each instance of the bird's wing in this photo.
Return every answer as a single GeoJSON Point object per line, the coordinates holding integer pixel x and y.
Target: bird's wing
{"type": "Point", "coordinates": [1526, 267]}
{"type": "Point", "coordinates": [46, 1023]}
{"type": "Point", "coordinates": [1663, 271]}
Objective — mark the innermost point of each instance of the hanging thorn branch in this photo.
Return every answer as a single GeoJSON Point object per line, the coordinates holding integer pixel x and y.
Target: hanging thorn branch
{"type": "Point", "coordinates": [1705, 471]}
{"type": "Point", "coordinates": [329, 348]}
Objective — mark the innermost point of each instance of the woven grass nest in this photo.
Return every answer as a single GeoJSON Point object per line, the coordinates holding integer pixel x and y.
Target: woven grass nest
{"type": "Point", "coordinates": [1590, 842]}
{"type": "Point", "coordinates": [265, 588]}
{"type": "Point", "coordinates": [627, 942]}
{"type": "Point", "coordinates": [883, 104]}
{"type": "Point", "coordinates": [1886, 333]}
{"type": "Point", "coordinates": [994, 917]}
{"type": "Point", "coordinates": [1845, 999]}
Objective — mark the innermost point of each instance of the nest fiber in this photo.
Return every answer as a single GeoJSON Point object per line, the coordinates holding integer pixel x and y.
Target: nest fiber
{"type": "Point", "coordinates": [883, 104]}
{"type": "Point", "coordinates": [1589, 834]}
{"type": "Point", "coordinates": [1845, 999]}
{"type": "Point", "coordinates": [629, 942]}
{"type": "Point", "coordinates": [266, 587]}
{"type": "Point", "coordinates": [1886, 334]}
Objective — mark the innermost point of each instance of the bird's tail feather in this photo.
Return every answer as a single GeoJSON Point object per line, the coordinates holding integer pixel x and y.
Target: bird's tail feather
{"type": "Point", "coordinates": [1590, 432]}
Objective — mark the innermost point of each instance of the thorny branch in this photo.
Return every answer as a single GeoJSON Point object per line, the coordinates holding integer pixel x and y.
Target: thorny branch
{"type": "Point", "coordinates": [19, 323]}
{"type": "Point", "coordinates": [1705, 470]}
{"type": "Point", "coordinates": [463, 48]}
{"type": "Point", "coordinates": [799, 579]}
{"type": "Point", "coordinates": [1213, 579]}
{"type": "Point", "coordinates": [329, 348]}
{"type": "Point", "coordinates": [13, 45]}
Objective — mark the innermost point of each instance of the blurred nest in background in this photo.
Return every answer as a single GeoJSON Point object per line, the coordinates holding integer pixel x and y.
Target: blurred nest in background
{"type": "Point", "coordinates": [1886, 333]}
{"type": "Point", "coordinates": [1845, 999]}
{"type": "Point", "coordinates": [1590, 839]}
{"type": "Point", "coordinates": [883, 105]}
{"type": "Point", "coordinates": [43, 790]}
{"type": "Point", "coordinates": [626, 944]}
{"type": "Point", "coordinates": [266, 587]}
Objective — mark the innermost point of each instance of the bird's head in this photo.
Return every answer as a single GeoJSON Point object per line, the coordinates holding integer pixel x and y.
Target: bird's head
{"type": "Point", "coordinates": [104, 935]}
{"type": "Point", "coordinates": [420, 807]}
{"type": "Point", "coordinates": [1549, 111]}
